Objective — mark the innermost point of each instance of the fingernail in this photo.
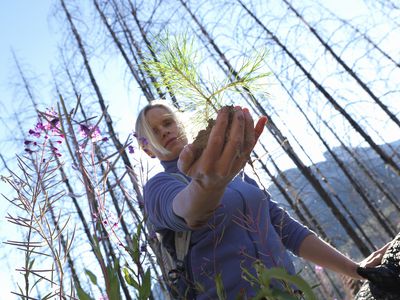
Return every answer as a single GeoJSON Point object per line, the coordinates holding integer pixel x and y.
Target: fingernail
{"type": "Point", "coordinates": [223, 109]}
{"type": "Point", "coordinates": [246, 110]}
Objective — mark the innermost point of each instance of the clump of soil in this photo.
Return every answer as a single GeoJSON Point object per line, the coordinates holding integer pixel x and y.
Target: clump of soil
{"type": "Point", "coordinates": [201, 140]}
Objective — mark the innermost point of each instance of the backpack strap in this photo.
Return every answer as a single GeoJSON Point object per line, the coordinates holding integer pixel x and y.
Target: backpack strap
{"type": "Point", "coordinates": [182, 242]}
{"type": "Point", "coordinates": [182, 239]}
{"type": "Point", "coordinates": [185, 289]}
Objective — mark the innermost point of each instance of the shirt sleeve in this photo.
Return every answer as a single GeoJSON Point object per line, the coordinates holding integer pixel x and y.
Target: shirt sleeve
{"type": "Point", "coordinates": [249, 180]}
{"type": "Point", "coordinates": [159, 193]}
{"type": "Point", "coordinates": [291, 231]}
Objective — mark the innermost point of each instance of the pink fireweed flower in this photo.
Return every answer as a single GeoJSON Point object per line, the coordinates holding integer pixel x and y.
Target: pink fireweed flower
{"type": "Point", "coordinates": [52, 121]}
{"type": "Point", "coordinates": [45, 132]}
{"type": "Point", "coordinates": [84, 130]}
{"type": "Point", "coordinates": [81, 149]}
{"type": "Point", "coordinates": [34, 133]}
{"type": "Point", "coordinates": [29, 150]}
{"type": "Point", "coordinates": [94, 217]}
{"type": "Point", "coordinates": [111, 220]}
{"type": "Point", "coordinates": [39, 127]}
{"type": "Point", "coordinates": [131, 149]}
{"type": "Point", "coordinates": [56, 151]}
{"type": "Point", "coordinates": [31, 146]}
{"type": "Point", "coordinates": [96, 135]}
{"type": "Point", "coordinates": [143, 141]}
{"type": "Point", "coordinates": [50, 124]}
{"type": "Point", "coordinates": [92, 132]}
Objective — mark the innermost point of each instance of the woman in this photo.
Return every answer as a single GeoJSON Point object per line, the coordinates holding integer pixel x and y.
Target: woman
{"type": "Point", "coordinates": [233, 222]}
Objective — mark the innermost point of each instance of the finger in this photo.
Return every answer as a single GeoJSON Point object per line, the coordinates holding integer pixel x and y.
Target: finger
{"type": "Point", "coordinates": [186, 159]}
{"type": "Point", "coordinates": [372, 260]}
{"type": "Point", "coordinates": [216, 139]}
{"type": "Point", "coordinates": [249, 133]}
{"type": "Point", "coordinates": [234, 145]}
{"type": "Point", "coordinates": [260, 127]}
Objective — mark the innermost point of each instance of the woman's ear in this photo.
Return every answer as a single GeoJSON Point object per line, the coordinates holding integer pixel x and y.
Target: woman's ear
{"type": "Point", "coordinates": [149, 152]}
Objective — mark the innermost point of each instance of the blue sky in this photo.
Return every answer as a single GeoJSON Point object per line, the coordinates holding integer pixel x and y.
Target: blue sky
{"type": "Point", "coordinates": [23, 27]}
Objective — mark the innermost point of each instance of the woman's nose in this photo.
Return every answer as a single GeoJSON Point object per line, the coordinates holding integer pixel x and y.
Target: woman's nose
{"type": "Point", "coordinates": [165, 133]}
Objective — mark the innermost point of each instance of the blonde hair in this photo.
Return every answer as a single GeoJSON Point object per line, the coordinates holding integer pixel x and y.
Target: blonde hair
{"type": "Point", "coordinates": [144, 132]}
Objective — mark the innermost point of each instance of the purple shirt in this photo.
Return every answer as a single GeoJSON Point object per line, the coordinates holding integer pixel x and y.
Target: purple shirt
{"type": "Point", "coordinates": [248, 226]}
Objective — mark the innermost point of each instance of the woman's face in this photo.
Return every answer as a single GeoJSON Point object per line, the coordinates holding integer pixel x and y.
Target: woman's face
{"type": "Point", "coordinates": [167, 133]}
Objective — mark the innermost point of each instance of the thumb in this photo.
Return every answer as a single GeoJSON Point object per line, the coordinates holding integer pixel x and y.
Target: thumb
{"type": "Point", "coordinates": [186, 159]}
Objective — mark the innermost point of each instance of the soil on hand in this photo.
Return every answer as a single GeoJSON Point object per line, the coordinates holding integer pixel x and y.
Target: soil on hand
{"type": "Point", "coordinates": [201, 140]}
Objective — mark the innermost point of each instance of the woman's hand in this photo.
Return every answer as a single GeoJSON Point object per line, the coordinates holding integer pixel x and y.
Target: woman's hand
{"type": "Point", "coordinates": [220, 163]}
{"type": "Point", "coordinates": [375, 258]}
{"type": "Point", "coordinates": [384, 277]}
{"type": "Point", "coordinates": [217, 165]}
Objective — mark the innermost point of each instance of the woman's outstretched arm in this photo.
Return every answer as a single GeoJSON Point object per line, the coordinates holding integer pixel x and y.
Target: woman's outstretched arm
{"type": "Point", "coordinates": [321, 253]}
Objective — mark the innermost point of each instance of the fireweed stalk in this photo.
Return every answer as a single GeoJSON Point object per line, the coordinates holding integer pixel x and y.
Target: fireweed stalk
{"type": "Point", "coordinates": [36, 196]}
{"type": "Point", "coordinates": [85, 165]}
{"type": "Point", "coordinates": [110, 223]}
{"type": "Point", "coordinates": [105, 223]}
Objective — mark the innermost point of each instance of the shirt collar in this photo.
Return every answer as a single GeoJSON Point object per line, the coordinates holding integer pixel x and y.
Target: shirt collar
{"type": "Point", "coordinates": [170, 166]}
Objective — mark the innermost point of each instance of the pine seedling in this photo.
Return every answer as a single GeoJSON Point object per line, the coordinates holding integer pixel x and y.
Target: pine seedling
{"type": "Point", "coordinates": [178, 64]}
